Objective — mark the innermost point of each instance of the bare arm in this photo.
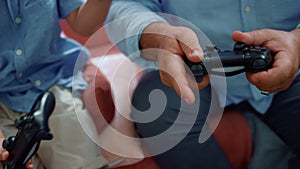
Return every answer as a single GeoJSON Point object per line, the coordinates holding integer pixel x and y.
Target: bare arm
{"type": "Point", "coordinates": [89, 17]}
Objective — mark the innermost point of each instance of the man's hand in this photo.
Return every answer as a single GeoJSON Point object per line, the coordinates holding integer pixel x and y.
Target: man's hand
{"type": "Point", "coordinates": [286, 48]}
{"type": "Point", "coordinates": [168, 45]}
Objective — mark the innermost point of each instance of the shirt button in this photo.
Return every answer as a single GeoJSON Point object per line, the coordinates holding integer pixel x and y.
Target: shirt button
{"type": "Point", "coordinates": [37, 82]}
{"type": "Point", "coordinates": [19, 52]}
{"type": "Point", "coordinates": [18, 20]}
{"type": "Point", "coordinates": [248, 9]}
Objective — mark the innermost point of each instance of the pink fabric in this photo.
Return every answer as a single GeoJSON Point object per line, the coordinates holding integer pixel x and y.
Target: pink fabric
{"type": "Point", "coordinates": [233, 135]}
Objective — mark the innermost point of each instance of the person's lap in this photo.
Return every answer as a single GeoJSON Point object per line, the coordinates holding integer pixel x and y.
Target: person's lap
{"type": "Point", "coordinates": [72, 145]}
{"type": "Point", "coordinates": [283, 118]}
{"type": "Point", "coordinates": [174, 124]}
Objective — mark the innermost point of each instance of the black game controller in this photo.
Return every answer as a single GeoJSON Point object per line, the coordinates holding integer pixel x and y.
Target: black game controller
{"type": "Point", "coordinates": [32, 128]}
{"type": "Point", "coordinates": [242, 58]}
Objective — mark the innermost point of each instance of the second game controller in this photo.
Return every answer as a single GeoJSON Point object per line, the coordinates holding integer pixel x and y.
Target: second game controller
{"type": "Point", "coordinates": [242, 58]}
{"type": "Point", "coordinates": [32, 128]}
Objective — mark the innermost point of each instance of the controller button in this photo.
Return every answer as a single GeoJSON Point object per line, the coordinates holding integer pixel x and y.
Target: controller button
{"type": "Point", "coordinates": [30, 118]}
{"type": "Point", "coordinates": [263, 50]}
{"type": "Point", "coordinates": [254, 49]}
{"type": "Point", "coordinates": [248, 56]}
{"type": "Point", "coordinates": [7, 144]}
{"type": "Point", "coordinates": [239, 46]}
{"type": "Point", "coordinates": [198, 72]}
{"type": "Point", "coordinates": [257, 47]}
{"type": "Point", "coordinates": [259, 65]}
{"type": "Point", "coordinates": [19, 122]}
{"type": "Point", "coordinates": [246, 49]}
{"type": "Point", "coordinates": [28, 126]}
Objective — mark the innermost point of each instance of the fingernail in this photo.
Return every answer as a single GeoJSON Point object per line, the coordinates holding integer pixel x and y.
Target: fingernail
{"type": "Point", "coordinates": [187, 100]}
{"type": "Point", "coordinates": [197, 53]}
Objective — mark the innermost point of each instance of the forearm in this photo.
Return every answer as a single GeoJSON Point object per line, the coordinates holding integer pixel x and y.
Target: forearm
{"type": "Point", "coordinates": [89, 17]}
{"type": "Point", "coordinates": [296, 35]}
{"type": "Point", "coordinates": [125, 23]}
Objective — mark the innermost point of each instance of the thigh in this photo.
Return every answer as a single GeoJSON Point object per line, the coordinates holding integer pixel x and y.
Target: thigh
{"type": "Point", "coordinates": [172, 133]}
{"type": "Point", "coordinates": [284, 116]}
{"type": "Point", "coordinates": [73, 144]}
{"type": "Point", "coordinates": [7, 120]}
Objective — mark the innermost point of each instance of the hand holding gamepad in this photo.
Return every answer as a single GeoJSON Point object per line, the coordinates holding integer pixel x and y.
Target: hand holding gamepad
{"type": "Point", "coordinates": [242, 58]}
{"type": "Point", "coordinates": [32, 128]}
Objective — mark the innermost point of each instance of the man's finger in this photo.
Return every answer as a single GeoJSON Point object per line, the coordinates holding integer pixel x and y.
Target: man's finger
{"type": "Point", "coordinates": [173, 74]}
{"type": "Point", "coordinates": [256, 37]}
{"type": "Point", "coordinates": [189, 43]}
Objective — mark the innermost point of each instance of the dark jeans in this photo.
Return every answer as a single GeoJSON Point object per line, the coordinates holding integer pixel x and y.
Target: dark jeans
{"type": "Point", "coordinates": [179, 120]}
{"type": "Point", "coordinates": [284, 118]}
{"type": "Point", "coordinates": [176, 120]}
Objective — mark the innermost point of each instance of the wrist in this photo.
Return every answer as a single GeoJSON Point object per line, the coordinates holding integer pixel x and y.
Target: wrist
{"type": "Point", "coordinates": [154, 33]}
{"type": "Point", "coordinates": [296, 36]}
{"type": "Point", "coordinates": [154, 37]}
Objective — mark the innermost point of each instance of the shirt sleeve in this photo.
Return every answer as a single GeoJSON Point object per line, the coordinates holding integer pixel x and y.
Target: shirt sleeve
{"type": "Point", "coordinates": [126, 21]}
{"type": "Point", "coordinates": [65, 7]}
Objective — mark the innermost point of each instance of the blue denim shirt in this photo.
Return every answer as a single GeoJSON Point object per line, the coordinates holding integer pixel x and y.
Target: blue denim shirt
{"type": "Point", "coordinates": [33, 55]}
{"type": "Point", "coordinates": [217, 19]}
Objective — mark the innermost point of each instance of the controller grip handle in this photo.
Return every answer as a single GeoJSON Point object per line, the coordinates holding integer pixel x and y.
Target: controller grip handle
{"type": "Point", "coordinates": [42, 109]}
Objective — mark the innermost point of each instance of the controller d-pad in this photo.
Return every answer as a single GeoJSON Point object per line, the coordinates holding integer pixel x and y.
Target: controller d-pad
{"type": "Point", "coordinates": [8, 143]}
{"type": "Point", "coordinates": [258, 65]}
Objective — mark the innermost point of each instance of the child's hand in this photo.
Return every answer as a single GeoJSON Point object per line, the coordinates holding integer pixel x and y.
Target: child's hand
{"type": "Point", "coordinates": [4, 154]}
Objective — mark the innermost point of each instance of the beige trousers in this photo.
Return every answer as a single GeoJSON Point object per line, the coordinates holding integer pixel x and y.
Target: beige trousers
{"type": "Point", "coordinates": [73, 146]}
